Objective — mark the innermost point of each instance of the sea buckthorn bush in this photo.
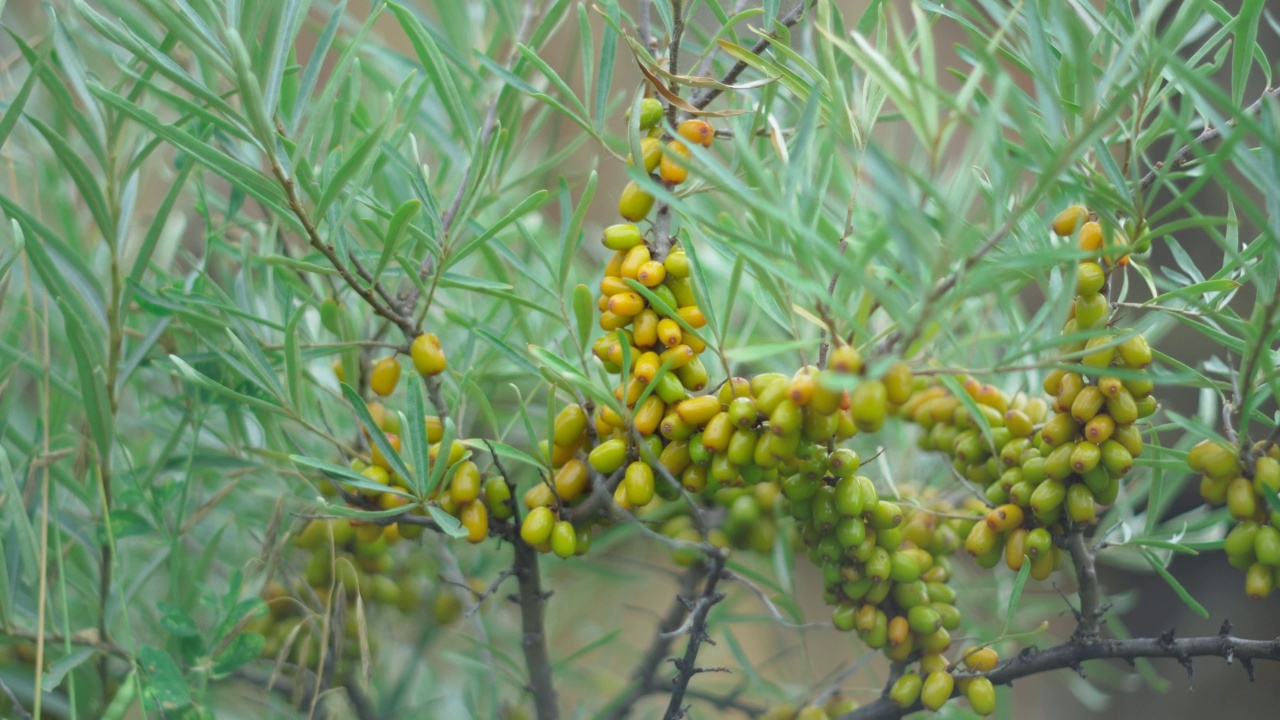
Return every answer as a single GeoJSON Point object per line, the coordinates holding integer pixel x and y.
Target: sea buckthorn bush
{"type": "Point", "coordinates": [657, 358]}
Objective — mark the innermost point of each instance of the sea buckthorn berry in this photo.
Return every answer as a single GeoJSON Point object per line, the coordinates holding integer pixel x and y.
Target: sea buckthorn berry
{"type": "Point", "coordinates": [539, 495]}
{"type": "Point", "coordinates": [869, 405]}
{"type": "Point", "coordinates": [1242, 503]}
{"type": "Point", "coordinates": [380, 460]}
{"type": "Point", "coordinates": [385, 376]}
{"type": "Point", "coordinates": [497, 496]}
{"type": "Point", "coordinates": [906, 690]}
{"type": "Point", "coordinates": [669, 332]}
{"type": "Point", "coordinates": [644, 328]}
{"type": "Point", "coordinates": [651, 273]}
{"type": "Point", "coordinates": [1066, 222]}
{"type": "Point", "coordinates": [679, 356]}
{"type": "Point", "coordinates": [1135, 352]}
{"type": "Point", "coordinates": [981, 540]}
{"type": "Point", "coordinates": [475, 518]}
{"type": "Point", "coordinates": [650, 113]}
{"type": "Point", "coordinates": [1090, 278]}
{"type": "Point", "coordinates": [1047, 499]}
{"type": "Point", "coordinates": [1266, 475]}
{"type": "Point", "coordinates": [1091, 236]}
{"type": "Point", "coordinates": [635, 203]}
{"type": "Point", "coordinates": [801, 389]}
{"type": "Point", "coordinates": [1123, 408]}
{"type": "Point", "coordinates": [622, 237]}
{"type": "Point", "coordinates": [536, 528]}
{"type": "Point", "coordinates": [1099, 428]}
{"type": "Point", "coordinates": [610, 321]}
{"type": "Point", "coordinates": [1004, 518]}
{"type": "Point", "coordinates": [1259, 581]}
{"type": "Point", "coordinates": [1212, 459]}
{"type": "Point", "coordinates": [428, 357]}
{"type": "Point", "coordinates": [648, 414]}
{"type": "Point", "coordinates": [608, 455]}
{"type": "Point", "coordinates": [677, 264]}
{"type": "Point", "coordinates": [639, 484]}
{"type": "Point", "coordinates": [845, 359]}
{"type": "Point", "coordinates": [698, 410]}
{"type": "Point", "coordinates": [937, 689]}
{"type": "Point", "coordinates": [981, 695]}
{"type": "Point", "coordinates": [697, 131]}
{"type": "Point", "coordinates": [572, 480]}
{"type": "Point", "coordinates": [1099, 351]}
{"type": "Point", "coordinates": [1266, 545]}
{"type": "Point", "coordinates": [1092, 311]}
{"type": "Point", "coordinates": [1085, 457]}
{"type": "Point", "coordinates": [627, 304]}
{"type": "Point", "coordinates": [465, 485]}
{"type": "Point", "coordinates": [1087, 404]}
{"type": "Point", "coordinates": [564, 539]}
{"type": "Point", "coordinates": [692, 314]}
{"type": "Point", "coordinates": [674, 166]}
{"type": "Point", "coordinates": [570, 424]}
{"type": "Point", "coordinates": [743, 413]}
{"type": "Point", "coordinates": [1081, 506]}
{"type": "Point", "coordinates": [651, 151]}
{"type": "Point", "coordinates": [897, 383]}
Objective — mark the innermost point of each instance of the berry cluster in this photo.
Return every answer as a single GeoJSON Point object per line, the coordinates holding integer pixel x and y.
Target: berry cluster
{"type": "Point", "coordinates": [341, 552]}
{"type": "Point", "coordinates": [1253, 545]}
{"type": "Point", "coordinates": [670, 160]}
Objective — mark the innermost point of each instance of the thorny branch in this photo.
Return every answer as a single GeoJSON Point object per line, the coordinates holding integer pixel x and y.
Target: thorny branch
{"type": "Point", "coordinates": [642, 678]}
{"type": "Point", "coordinates": [533, 603]}
{"type": "Point", "coordinates": [687, 667]}
{"type": "Point", "coordinates": [1071, 654]}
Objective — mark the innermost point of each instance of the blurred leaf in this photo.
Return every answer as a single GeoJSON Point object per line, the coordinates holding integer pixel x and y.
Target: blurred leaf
{"type": "Point", "coordinates": [164, 687]}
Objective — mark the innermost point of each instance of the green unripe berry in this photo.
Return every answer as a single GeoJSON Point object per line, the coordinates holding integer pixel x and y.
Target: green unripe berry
{"type": "Point", "coordinates": [924, 619]}
{"type": "Point", "coordinates": [564, 539]}
{"type": "Point", "coordinates": [937, 689]}
{"type": "Point", "coordinates": [982, 696]}
{"type": "Point", "coordinates": [1090, 278]}
{"type": "Point", "coordinates": [906, 690]}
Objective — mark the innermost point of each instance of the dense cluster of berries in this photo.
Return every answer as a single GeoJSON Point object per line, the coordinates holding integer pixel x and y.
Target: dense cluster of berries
{"type": "Point", "coordinates": [340, 554]}
{"type": "Point", "coordinates": [1253, 545]}
{"type": "Point", "coordinates": [670, 159]}
{"type": "Point", "coordinates": [466, 496]}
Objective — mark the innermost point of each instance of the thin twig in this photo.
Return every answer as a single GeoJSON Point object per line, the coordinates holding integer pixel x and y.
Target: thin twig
{"type": "Point", "coordinates": [687, 667]}
{"type": "Point", "coordinates": [642, 678]}
{"type": "Point", "coordinates": [1205, 138]}
{"type": "Point", "coordinates": [824, 307]}
{"type": "Point", "coordinates": [702, 99]}
{"type": "Point", "coordinates": [327, 249]}
{"type": "Point", "coordinates": [773, 609]}
{"type": "Point", "coordinates": [487, 129]}
{"type": "Point", "coordinates": [673, 52]}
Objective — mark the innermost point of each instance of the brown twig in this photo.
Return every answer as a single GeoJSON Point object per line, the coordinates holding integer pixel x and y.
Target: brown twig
{"type": "Point", "coordinates": [533, 603]}
{"type": "Point", "coordinates": [1204, 139]}
{"type": "Point", "coordinates": [702, 99]}
{"type": "Point", "coordinates": [327, 249]}
{"type": "Point", "coordinates": [686, 667]}
{"type": "Point", "coordinates": [1090, 611]}
{"type": "Point", "coordinates": [1071, 654]}
{"type": "Point", "coordinates": [642, 677]}
{"type": "Point", "coordinates": [487, 129]}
